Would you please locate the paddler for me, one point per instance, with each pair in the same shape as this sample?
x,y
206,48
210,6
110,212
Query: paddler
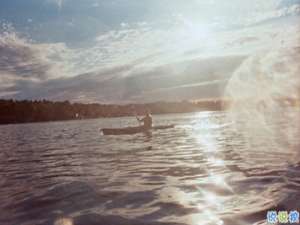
x,y
147,120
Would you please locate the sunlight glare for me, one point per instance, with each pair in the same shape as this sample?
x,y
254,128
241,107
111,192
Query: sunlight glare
x,y
220,181
208,216
192,34
63,221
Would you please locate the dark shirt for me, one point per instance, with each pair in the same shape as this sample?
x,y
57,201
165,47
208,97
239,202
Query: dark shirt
x,y
147,120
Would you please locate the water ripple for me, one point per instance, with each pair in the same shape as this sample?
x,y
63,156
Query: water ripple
x,y
203,171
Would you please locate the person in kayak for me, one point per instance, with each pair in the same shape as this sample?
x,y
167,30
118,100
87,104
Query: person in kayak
x,y
147,120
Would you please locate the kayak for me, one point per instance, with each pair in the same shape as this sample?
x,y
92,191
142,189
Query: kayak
x,y
132,130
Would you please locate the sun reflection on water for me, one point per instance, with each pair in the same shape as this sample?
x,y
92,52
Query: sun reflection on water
x,y
210,196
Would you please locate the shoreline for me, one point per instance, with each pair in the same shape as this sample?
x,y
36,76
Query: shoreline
x,y
20,112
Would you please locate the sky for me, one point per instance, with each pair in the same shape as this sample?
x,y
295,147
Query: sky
x,y
119,51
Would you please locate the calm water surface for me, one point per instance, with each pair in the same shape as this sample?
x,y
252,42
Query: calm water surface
x,y
203,171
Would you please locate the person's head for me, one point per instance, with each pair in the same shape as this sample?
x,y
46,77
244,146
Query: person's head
x,y
147,112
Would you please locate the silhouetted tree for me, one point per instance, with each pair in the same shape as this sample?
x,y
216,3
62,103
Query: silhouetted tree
x,y
25,111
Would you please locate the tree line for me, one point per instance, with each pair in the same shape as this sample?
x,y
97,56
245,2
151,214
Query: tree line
x,y
26,111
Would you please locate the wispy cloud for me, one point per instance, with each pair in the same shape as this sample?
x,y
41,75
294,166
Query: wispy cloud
x,y
140,84
27,59
58,3
24,61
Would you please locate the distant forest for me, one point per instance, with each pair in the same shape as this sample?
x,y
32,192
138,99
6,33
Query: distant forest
x,y
12,111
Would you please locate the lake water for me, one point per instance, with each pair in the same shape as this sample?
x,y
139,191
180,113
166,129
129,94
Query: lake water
x,y
203,171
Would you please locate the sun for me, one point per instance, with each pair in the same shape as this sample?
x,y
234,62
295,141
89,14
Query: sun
x,y
193,34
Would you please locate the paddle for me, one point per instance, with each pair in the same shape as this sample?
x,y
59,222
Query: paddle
x,y
138,119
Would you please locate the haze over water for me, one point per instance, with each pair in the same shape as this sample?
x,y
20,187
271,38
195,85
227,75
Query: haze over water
x,y
203,171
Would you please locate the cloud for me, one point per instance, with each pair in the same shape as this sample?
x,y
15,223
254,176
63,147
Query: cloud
x,y
58,3
93,17
22,60
201,77
135,62
267,11
280,12
194,91
287,3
